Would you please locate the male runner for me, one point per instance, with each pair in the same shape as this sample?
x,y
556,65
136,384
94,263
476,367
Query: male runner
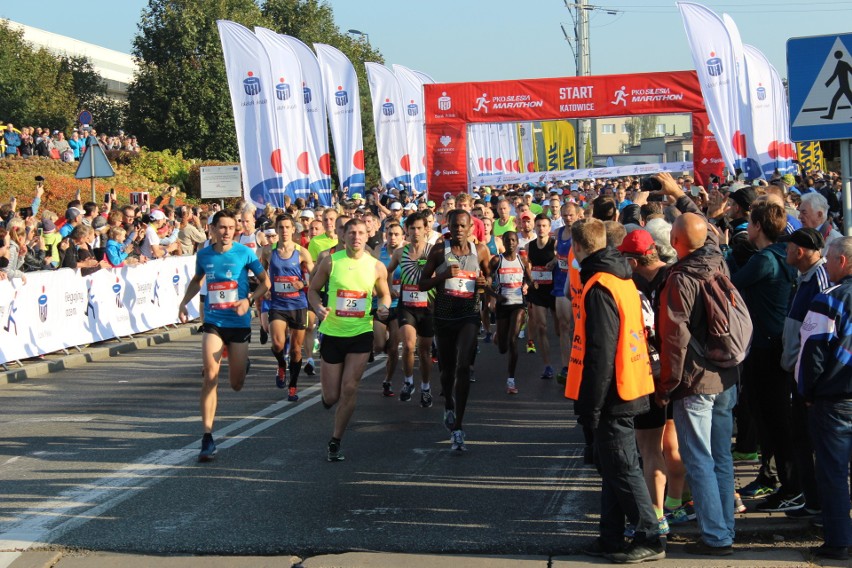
x,y
386,332
455,270
347,327
227,314
540,253
288,302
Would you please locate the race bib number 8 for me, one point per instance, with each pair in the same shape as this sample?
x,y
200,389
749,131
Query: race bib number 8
x,y
462,286
285,286
412,297
350,304
222,295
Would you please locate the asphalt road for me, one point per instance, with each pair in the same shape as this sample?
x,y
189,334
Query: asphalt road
x,y
104,458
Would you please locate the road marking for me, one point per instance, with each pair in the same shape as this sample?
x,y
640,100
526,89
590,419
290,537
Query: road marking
x,y
34,525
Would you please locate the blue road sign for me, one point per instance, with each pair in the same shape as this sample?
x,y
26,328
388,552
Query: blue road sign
x,y
85,117
819,71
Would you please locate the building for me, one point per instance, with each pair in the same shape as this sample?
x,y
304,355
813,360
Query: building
x,y
116,68
610,136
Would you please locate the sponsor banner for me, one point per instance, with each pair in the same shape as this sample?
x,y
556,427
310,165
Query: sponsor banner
x,y
388,117
811,158
507,135
411,86
248,71
590,173
59,309
343,100
311,90
705,152
560,151
449,107
712,52
751,119
480,158
527,146
290,156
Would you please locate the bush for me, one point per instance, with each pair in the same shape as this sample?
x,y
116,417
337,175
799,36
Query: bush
x,y
161,167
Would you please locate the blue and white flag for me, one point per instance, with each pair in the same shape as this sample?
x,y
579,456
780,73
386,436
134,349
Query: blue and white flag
x,y
411,86
388,113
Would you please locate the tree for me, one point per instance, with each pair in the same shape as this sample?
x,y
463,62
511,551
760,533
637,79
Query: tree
x,y
312,22
639,127
179,98
88,85
109,115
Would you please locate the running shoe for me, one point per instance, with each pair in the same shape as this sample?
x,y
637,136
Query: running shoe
x,y
405,393
745,456
372,357
426,398
472,376
309,369
449,419
562,376
739,507
547,374
530,346
208,448
521,334
281,378
264,336
387,390
292,396
682,514
334,453
488,337
803,513
777,503
757,489
457,439
510,387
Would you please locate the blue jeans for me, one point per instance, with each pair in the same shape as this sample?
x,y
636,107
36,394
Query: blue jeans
x,y
831,434
705,424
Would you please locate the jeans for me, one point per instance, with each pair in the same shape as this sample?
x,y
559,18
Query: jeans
x,y
831,434
623,490
704,424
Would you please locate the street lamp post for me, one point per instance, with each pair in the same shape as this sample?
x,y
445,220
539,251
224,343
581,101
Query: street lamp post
x,y
360,33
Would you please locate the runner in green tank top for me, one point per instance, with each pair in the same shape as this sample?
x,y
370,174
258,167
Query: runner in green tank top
x,y
352,276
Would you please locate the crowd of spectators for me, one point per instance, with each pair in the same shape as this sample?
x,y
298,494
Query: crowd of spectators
x,y
37,142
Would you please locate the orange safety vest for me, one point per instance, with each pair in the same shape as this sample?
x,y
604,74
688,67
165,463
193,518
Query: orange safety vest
x,y
633,377
575,286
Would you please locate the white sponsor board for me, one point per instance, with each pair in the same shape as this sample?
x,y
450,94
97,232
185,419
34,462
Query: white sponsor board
x,y
220,182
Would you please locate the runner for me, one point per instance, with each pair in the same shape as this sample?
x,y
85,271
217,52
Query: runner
x,y
227,315
288,310
564,316
495,247
505,221
540,253
510,285
414,314
386,331
455,270
351,275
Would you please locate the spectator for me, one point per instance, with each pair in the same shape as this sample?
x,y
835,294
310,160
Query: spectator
x,y
813,213
117,252
151,247
190,235
52,238
79,254
73,218
76,144
66,154
12,140
17,248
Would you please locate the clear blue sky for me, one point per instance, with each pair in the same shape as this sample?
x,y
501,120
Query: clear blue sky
x,y
467,40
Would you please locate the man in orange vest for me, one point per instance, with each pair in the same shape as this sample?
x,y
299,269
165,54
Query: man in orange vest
x,y
609,378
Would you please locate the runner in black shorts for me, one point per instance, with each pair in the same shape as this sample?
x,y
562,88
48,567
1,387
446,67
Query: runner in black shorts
x,y
540,253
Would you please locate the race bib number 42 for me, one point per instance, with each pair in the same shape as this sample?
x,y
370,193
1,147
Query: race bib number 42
x,y
222,295
462,286
350,304
412,297
285,286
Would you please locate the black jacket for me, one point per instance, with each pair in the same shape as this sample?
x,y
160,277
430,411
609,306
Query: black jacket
x,y
598,392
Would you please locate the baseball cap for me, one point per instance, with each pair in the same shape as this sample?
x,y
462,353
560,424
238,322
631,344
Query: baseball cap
x,y
744,197
530,193
410,207
805,237
639,242
430,203
99,223
395,206
357,196
527,214
306,214
72,213
48,226
157,215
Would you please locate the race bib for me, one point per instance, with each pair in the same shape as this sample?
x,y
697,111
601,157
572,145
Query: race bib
x,y
222,295
396,286
285,286
350,304
412,297
462,286
542,275
563,263
511,285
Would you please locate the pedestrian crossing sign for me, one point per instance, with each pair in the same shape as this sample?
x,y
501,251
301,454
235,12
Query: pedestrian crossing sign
x,y
819,71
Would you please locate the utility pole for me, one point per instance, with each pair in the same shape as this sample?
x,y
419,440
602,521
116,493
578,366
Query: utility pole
x,y
584,69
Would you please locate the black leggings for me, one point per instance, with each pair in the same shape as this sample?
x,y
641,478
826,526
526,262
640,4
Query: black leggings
x,y
456,340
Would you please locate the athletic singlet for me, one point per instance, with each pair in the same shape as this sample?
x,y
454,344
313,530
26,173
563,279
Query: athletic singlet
x,y
538,259
227,283
284,273
560,271
250,241
385,258
523,242
411,269
350,293
492,245
455,298
509,281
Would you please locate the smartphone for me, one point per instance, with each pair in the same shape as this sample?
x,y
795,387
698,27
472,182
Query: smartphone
x,y
106,197
694,190
26,212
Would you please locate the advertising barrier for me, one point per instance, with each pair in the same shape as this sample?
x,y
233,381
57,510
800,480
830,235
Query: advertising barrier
x,y
58,309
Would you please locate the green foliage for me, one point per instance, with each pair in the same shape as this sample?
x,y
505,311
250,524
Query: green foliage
x,y
639,127
109,115
88,85
161,167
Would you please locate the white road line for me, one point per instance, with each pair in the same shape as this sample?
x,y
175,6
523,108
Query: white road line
x,y
105,493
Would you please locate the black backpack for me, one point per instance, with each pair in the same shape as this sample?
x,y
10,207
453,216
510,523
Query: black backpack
x,y
729,326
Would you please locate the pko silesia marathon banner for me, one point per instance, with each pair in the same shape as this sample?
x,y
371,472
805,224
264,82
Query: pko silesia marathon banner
x,y
59,309
450,107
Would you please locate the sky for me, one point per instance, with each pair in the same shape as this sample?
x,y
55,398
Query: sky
x,y
492,40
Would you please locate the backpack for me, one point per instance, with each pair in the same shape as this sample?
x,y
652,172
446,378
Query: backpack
x,y
729,327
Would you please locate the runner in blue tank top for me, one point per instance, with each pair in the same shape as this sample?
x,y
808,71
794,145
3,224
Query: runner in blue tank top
x,y
288,313
564,319
227,314
386,333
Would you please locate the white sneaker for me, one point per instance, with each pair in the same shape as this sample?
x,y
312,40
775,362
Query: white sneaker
x,y
457,439
510,387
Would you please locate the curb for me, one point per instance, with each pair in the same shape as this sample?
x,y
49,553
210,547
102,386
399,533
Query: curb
x,y
98,352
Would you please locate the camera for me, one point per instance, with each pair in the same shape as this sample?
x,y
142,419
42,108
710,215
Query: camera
x,y
651,184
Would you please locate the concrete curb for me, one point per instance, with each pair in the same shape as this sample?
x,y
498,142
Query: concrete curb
x,y
97,352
